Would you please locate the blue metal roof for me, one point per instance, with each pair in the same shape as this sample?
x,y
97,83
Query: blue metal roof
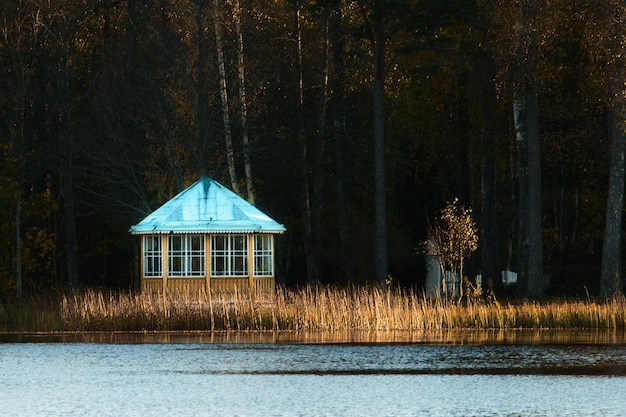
x,y
207,206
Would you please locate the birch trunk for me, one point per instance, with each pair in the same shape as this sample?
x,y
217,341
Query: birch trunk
x,y
201,89
251,197
230,153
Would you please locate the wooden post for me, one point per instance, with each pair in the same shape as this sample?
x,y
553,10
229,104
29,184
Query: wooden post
x,y
142,251
251,260
165,255
207,262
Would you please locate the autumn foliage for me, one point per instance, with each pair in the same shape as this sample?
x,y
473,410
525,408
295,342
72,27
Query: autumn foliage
x,y
452,239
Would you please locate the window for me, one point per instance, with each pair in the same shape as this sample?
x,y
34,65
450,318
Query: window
x,y
186,256
152,256
229,255
263,263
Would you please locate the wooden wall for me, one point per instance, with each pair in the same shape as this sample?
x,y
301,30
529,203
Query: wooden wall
x,y
196,285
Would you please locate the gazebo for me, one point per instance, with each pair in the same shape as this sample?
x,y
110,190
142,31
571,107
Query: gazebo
x,y
207,238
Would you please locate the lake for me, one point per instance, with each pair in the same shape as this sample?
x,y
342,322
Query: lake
x,y
269,374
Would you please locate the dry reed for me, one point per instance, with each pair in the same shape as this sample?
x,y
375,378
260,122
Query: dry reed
x,y
321,308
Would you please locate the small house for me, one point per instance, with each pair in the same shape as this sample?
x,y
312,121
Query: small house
x,y
207,238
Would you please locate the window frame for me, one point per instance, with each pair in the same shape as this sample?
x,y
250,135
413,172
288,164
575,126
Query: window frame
x,y
229,255
186,256
152,256
263,259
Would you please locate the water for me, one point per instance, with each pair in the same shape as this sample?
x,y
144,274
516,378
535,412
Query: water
x,y
261,376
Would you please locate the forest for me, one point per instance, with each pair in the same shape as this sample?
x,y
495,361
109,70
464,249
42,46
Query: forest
x,y
352,122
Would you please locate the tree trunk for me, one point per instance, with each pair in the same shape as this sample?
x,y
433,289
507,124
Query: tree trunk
x,y
70,216
251,197
312,269
491,278
338,107
20,181
201,88
613,29
610,280
529,264
462,129
67,169
526,118
18,241
488,222
320,141
536,283
18,215
230,153
512,222
381,267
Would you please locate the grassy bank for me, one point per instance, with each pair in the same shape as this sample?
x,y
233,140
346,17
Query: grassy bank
x,y
307,309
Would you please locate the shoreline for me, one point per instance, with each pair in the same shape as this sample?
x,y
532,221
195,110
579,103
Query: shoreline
x,y
429,337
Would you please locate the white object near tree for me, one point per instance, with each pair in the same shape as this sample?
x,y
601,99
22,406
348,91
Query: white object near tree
x,y
433,277
433,287
509,277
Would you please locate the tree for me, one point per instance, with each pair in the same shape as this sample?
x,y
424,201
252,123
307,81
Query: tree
x,y
488,208
483,105
312,266
403,91
337,104
374,20
379,72
610,280
228,138
452,239
63,27
243,103
526,120
20,36
609,48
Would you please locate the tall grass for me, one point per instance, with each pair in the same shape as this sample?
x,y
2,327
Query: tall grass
x,y
322,308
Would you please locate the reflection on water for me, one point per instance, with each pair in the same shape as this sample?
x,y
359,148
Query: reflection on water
x,y
534,373
454,337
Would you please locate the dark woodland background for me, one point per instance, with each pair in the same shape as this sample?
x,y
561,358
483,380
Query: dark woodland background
x,y
350,122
